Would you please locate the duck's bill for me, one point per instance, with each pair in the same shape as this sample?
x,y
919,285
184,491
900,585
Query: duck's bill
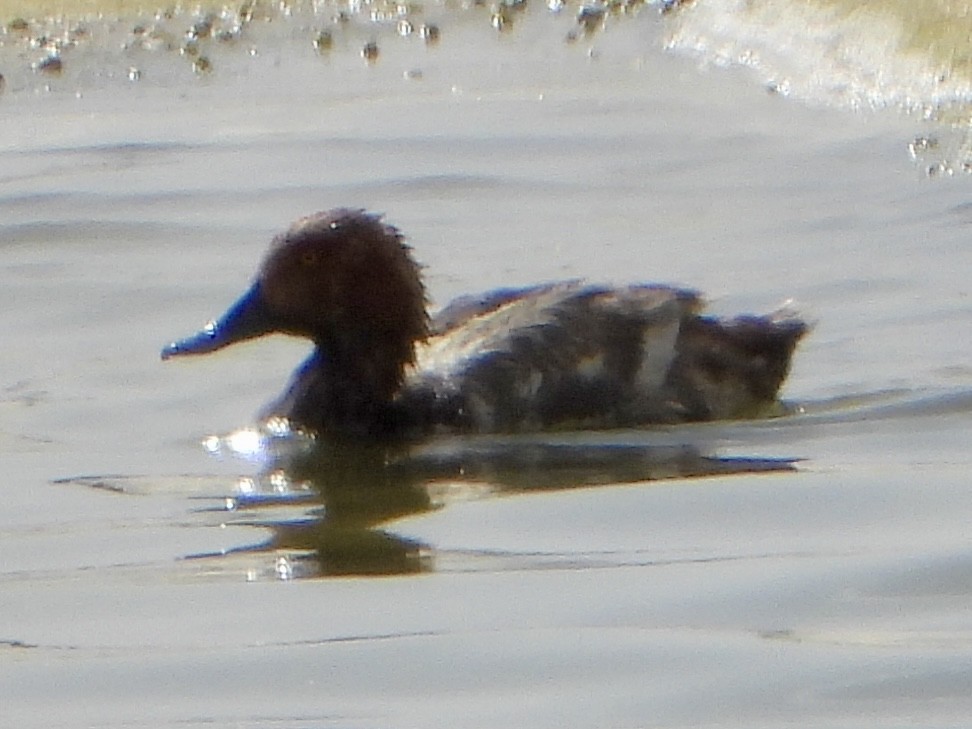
x,y
249,317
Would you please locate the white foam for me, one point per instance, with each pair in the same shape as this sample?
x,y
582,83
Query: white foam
x,y
869,56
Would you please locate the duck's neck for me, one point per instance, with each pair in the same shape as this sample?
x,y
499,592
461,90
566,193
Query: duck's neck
x,y
358,383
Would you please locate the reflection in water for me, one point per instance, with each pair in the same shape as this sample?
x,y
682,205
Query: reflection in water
x,y
353,491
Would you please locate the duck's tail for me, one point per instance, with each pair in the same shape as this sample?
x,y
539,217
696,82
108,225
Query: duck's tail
x,y
734,368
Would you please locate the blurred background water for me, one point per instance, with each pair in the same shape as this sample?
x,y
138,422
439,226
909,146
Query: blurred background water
x,y
155,571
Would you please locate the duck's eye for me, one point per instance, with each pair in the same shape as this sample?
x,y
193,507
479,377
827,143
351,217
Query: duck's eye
x,y
310,258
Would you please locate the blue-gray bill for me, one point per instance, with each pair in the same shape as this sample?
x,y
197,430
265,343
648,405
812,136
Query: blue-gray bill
x,y
249,317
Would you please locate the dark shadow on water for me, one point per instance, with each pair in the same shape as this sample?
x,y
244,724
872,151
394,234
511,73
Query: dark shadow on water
x,y
331,510
352,493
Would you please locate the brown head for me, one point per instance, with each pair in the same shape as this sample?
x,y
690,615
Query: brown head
x,y
342,278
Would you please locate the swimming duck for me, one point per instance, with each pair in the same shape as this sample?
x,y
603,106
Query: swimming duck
x,y
565,355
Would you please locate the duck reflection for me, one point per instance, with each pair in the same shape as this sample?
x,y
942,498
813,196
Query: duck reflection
x,y
352,493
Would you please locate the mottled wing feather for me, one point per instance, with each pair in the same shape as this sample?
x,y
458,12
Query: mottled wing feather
x,y
465,308
559,356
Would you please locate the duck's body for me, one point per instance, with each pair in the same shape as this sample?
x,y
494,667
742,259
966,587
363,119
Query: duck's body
x,y
563,355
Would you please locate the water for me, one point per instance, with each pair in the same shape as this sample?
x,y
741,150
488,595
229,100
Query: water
x,y
135,206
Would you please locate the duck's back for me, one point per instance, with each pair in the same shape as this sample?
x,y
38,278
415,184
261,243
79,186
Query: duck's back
x,y
554,356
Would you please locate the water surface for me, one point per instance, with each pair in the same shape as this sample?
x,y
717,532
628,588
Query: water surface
x,y
134,206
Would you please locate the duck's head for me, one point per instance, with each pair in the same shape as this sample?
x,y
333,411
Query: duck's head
x,y
342,278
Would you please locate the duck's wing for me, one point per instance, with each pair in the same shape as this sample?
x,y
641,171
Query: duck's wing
x,y
555,356
462,310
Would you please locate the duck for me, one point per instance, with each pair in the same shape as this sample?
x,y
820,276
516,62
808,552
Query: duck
x,y
564,355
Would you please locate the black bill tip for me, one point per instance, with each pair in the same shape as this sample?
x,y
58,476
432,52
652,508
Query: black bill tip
x,y
249,317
